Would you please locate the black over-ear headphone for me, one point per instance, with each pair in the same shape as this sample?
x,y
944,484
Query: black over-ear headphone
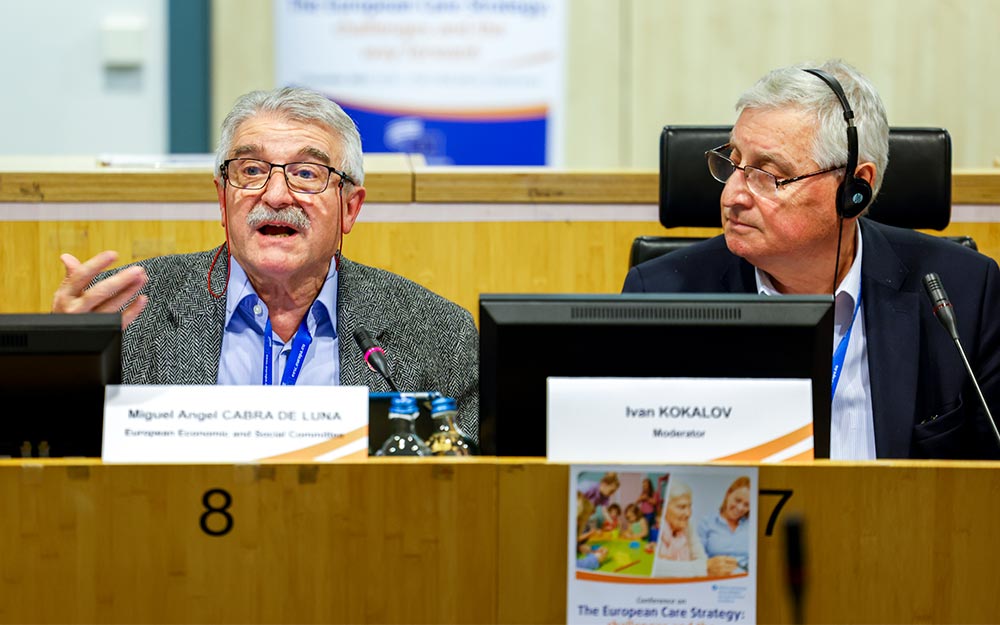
x,y
854,193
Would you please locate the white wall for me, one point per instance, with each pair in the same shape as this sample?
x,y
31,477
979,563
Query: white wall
x,y
60,96
634,65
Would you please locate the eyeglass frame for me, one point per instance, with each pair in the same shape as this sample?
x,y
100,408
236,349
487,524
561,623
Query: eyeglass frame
x,y
777,183
224,172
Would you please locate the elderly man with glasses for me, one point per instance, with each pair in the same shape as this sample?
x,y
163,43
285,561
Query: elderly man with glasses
x,y
804,161
277,303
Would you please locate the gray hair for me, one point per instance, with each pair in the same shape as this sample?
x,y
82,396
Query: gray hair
x,y
298,104
792,87
678,489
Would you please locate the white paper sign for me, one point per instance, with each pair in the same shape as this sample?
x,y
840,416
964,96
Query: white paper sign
x,y
662,545
679,420
217,423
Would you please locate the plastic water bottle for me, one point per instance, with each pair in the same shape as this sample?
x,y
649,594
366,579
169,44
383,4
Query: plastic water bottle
x,y
448,439
404,440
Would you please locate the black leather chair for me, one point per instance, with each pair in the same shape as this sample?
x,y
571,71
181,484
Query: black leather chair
x,y
916,191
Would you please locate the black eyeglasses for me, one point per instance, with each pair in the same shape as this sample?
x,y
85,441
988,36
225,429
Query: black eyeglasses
x,y
253,174
761,183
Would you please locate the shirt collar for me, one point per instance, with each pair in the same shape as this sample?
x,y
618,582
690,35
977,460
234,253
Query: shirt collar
x,y
240,293
722,522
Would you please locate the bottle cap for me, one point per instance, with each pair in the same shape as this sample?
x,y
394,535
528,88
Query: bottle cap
x,y
443,404
403,406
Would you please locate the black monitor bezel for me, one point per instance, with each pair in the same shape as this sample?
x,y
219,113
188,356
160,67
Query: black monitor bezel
x,y
510,427
53,372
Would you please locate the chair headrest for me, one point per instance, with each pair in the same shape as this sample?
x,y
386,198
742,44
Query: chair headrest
x,y
915,193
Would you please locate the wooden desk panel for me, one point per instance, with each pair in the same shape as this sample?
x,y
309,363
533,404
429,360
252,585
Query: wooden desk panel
x,y
480,541
378,543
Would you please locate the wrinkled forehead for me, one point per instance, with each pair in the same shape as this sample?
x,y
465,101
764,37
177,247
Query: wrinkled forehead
x,y
269,135
783,135
774,125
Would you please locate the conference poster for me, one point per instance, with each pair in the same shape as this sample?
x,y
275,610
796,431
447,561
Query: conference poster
x,y
662,545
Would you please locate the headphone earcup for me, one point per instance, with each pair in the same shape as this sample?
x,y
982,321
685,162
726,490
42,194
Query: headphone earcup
x,y
853,197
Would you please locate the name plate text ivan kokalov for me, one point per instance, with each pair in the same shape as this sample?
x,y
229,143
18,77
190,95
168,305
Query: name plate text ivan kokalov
x,y
679,419
167,423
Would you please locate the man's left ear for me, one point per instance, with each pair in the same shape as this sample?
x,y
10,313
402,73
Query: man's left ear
x,y
354,201
868,172
859,191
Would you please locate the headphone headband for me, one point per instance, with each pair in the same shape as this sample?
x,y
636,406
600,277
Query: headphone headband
x,y
854,193
834,84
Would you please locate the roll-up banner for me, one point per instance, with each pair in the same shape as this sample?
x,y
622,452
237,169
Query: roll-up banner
x,y
463,82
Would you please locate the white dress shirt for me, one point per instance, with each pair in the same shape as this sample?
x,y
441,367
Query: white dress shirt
x,y
852,426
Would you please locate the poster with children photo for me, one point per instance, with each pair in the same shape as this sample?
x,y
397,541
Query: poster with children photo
x,y
662,544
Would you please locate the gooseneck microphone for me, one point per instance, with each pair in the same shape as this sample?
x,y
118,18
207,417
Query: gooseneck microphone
x,y
374,356
945,314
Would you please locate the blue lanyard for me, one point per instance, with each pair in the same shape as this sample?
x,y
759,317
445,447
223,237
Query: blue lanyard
x,y
300,345
841,353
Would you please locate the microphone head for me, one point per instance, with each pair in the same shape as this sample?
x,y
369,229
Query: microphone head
x,y
374,355
935,290
943,309
368,347
364,340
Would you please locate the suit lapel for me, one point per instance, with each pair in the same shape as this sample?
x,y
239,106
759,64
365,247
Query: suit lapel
x,y
353,312
738,277
891,325
199,319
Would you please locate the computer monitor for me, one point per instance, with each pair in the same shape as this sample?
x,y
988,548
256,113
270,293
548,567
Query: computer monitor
x,y
53,370
526,338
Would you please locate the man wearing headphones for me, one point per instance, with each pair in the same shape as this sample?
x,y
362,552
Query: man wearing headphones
x,y
796,189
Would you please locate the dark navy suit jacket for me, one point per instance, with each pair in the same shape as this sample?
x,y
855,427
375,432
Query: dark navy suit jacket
x,y
923,401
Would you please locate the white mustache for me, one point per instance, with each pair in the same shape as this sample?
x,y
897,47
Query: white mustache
x,y
293,216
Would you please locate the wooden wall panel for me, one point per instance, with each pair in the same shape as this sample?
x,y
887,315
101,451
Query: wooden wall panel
x,y
456,260
482,250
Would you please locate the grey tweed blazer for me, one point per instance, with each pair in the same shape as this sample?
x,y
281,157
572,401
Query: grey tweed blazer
x,y
431,343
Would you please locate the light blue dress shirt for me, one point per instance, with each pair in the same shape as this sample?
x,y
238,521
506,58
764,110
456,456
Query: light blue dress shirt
x,y
242,358
719,540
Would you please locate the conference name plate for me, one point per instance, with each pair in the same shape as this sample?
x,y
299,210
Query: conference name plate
x,y
218,423
679,419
